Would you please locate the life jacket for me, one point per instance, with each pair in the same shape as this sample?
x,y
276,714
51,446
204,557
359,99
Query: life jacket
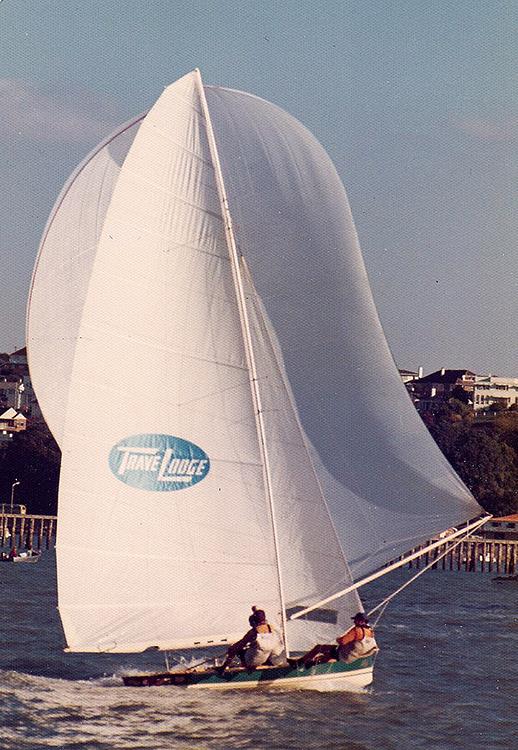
x,y
270,642
364,645
266,645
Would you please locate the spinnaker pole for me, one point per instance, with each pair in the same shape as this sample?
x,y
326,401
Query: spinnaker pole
x,y
389,568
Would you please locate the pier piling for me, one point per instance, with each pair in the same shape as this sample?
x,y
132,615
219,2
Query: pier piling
x,y
25,530
477,555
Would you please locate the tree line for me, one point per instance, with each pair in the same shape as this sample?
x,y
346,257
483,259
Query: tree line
x,y
483,451
33,458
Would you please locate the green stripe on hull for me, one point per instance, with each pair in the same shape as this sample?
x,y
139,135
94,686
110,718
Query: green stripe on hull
x,y
257,677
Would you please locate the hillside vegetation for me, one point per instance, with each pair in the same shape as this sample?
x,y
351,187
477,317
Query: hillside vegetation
x,y
483,451
32,457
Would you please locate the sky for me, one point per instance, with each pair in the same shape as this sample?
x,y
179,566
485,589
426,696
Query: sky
x,y
414,100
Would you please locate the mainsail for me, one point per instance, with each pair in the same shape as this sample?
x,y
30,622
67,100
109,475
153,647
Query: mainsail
x,y
149,334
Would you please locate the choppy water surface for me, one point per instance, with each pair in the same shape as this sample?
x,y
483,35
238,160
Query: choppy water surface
x,y
445,679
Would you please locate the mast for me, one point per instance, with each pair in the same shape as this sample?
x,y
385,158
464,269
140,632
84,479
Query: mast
x,y
247,338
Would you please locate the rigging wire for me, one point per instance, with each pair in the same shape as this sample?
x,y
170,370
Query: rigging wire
x,y
383,604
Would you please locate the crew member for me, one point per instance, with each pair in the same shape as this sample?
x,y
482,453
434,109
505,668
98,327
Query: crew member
x,y
262,644
356,642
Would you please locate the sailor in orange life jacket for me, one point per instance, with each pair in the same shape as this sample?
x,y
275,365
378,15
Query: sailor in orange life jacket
x,y
356,642
260,645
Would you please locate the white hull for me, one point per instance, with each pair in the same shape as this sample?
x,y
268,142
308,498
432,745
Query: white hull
x,y
351,682
329,676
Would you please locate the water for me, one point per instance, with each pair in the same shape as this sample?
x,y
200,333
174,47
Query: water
x,y
444,680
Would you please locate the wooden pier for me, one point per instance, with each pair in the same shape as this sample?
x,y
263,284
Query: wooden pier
x,y
498,556
27,531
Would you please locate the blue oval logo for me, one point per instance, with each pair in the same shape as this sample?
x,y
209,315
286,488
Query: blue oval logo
x,y
161,463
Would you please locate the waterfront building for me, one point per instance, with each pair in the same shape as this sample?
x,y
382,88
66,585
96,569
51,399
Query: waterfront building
x,y
431,390
490,390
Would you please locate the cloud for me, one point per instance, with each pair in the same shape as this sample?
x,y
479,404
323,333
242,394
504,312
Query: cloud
x,y
29,113
489,130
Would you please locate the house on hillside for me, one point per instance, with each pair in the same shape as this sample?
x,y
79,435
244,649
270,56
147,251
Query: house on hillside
x,y
439,386
11,421
480,392
15,385
19,357
491,390
408,375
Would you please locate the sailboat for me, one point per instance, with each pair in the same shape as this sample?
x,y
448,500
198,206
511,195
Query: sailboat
x,y
205,349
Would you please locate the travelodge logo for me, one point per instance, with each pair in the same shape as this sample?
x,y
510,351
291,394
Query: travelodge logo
x,y
160,463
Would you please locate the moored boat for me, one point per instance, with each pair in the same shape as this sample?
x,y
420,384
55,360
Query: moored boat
x,y
22,557
26,558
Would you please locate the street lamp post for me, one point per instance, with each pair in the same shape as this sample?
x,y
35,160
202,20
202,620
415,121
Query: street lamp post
x,y
14,484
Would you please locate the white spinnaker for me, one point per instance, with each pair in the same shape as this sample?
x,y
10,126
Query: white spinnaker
x,y
311,558
139,568
388,485
62,271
